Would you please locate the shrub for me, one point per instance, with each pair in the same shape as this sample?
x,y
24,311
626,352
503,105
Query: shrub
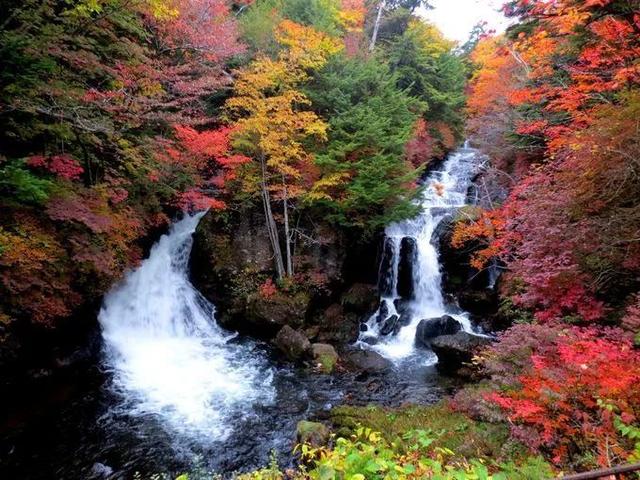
x,y
557,405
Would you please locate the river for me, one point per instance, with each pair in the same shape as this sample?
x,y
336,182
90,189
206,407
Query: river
x,y
173,392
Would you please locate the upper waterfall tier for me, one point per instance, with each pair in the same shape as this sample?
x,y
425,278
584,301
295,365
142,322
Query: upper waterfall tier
x,y
410,278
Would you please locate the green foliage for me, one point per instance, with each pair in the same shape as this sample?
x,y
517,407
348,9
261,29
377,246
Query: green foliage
x,y
367,454
17,184
320,14
455,431
370,120
258,21
425,66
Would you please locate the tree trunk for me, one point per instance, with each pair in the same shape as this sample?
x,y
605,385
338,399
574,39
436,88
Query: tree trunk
x,y
376,26
287,236
272,229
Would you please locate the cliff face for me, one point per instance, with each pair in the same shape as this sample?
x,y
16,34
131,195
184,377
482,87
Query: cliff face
x,y
333,287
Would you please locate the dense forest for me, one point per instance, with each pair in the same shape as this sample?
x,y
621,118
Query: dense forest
x,y
303,128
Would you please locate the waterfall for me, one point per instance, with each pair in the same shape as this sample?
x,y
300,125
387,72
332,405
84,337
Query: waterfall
x,y
168,356
410,277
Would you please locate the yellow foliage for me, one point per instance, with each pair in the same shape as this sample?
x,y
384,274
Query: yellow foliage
x,y
322,188
352,15
431,39
307,48
269,110
163,9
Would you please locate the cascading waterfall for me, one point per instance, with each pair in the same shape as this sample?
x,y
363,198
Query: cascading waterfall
x,y
168,356
410,278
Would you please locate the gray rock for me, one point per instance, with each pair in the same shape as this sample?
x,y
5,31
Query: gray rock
x,y
434,327
292,343
366,361
389,325
454,351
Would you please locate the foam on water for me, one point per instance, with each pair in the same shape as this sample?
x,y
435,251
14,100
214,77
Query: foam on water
x,y
445,191
168,356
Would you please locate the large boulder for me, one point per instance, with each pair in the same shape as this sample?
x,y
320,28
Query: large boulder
x,y
408,260
385,277
390,325
266,315
479,302
360,298
325,357
434,327
366,361
292,343
454,351
312,433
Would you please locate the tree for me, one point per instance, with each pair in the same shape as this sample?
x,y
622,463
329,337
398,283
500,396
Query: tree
x,y
365,180
572,393
273,125
426,67
90,92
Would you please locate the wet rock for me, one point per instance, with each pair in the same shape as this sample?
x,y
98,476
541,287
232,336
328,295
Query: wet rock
x,y
442,230
366,361
390,325
312,433
405,319
408,258
383,311
325,356
99,471
402,306
360,298
455,351
385,280
478,302
434,327
292,343
267,315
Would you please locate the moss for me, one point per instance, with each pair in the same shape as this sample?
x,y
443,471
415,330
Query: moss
x,y
312,433
328,363
467,437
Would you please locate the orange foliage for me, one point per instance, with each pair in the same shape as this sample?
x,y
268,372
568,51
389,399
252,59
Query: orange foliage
x,y
488,230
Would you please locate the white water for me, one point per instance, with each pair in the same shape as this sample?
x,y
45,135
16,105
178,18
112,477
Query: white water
x,y
168,356
445,192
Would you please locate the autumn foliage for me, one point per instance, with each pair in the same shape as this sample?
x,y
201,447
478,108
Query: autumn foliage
x,y
555,102
101,140
569,392
562,88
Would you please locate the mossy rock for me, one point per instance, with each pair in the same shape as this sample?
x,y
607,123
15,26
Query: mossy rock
x,y
324,356
276,311
312,433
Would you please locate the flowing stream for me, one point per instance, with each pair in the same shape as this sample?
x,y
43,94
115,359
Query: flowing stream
x,y
410,280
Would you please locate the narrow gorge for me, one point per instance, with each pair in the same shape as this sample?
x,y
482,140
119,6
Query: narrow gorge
x,y
319,239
